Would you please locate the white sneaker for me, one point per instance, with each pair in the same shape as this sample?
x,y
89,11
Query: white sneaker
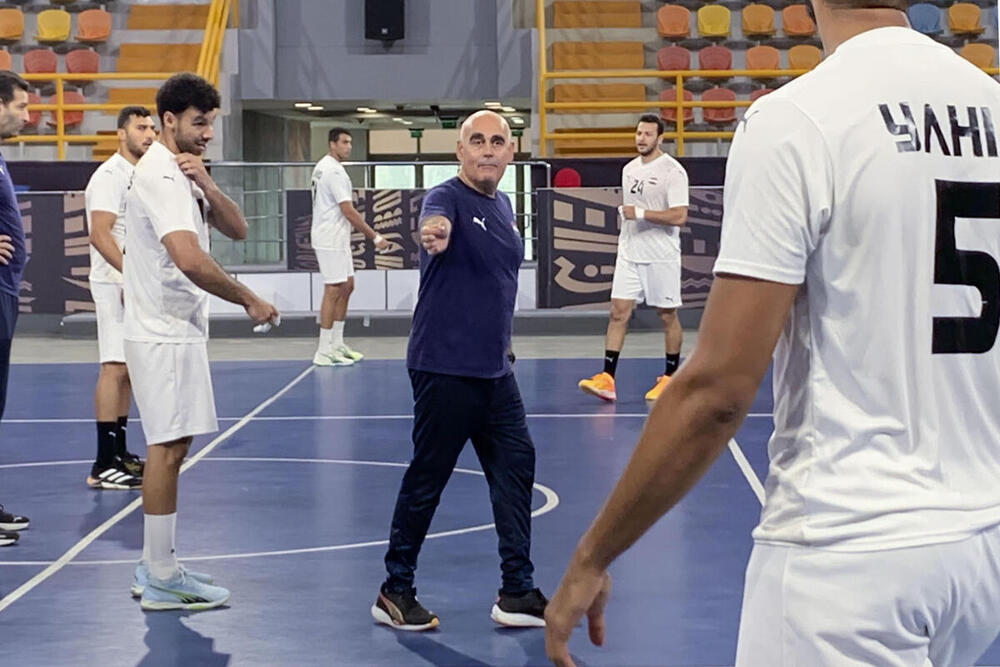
x,y
353,355
332,358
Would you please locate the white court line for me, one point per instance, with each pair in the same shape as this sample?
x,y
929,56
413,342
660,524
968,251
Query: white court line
x,y
73,551
748,473
539,415
551,502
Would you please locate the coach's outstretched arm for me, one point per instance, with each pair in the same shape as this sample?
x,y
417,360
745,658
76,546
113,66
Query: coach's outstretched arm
x,y
205,272
690,424
435,233
223,212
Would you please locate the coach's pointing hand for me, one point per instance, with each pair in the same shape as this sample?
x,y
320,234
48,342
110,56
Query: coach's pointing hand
x,y
434,234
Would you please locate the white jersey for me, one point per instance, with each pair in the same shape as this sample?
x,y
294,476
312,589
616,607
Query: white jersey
x,y
655,186
874,182
106,192
331,186
162,305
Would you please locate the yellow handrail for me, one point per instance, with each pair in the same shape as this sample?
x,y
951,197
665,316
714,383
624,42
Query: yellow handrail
x,y
544,106
211,45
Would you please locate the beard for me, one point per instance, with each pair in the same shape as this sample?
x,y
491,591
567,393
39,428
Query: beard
x,y
188,145
649,150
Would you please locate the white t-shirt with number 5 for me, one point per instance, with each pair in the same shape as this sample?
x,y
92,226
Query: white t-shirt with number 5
x,y
874,182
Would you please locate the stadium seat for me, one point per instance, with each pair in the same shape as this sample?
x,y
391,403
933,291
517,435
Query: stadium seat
x,y
669,114
673,58
52,26
597,55
965,18
93,26
11,24
40,61
758,21
804,56
713,21
715,57
71,119
82,61
980,55
5,60
567,177
34,117
719,115
763,57
757,94
925,18
673,22
593,14
796,22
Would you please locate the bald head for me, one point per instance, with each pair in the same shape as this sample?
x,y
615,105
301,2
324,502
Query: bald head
x,y
485,148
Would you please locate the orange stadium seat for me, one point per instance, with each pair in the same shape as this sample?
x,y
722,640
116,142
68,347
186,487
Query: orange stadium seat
x,y
5,60
980,55
719,115
965,18
804,56
673,58
71,119
713,21
11,24
796,22
93,26
669,114
758,21
763,57
673,22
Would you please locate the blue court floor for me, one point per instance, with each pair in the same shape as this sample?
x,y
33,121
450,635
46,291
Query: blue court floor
x,y
289,506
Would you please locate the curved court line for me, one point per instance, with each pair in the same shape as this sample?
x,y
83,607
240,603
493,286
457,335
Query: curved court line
x,y
551,502
75,550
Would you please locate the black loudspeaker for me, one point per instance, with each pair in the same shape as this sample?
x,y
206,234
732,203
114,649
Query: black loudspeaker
x,y
384,20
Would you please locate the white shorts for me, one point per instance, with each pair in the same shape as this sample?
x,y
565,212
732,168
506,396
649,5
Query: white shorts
x,y
335,265
172,386
110,321
656,283
926,606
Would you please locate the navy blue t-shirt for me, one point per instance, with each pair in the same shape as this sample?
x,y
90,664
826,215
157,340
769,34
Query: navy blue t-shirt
x,y
10,224
465,304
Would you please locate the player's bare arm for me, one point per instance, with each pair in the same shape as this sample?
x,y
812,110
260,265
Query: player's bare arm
x,y
353,217
101,223
690,424
223,214
206,273
434,234
676,216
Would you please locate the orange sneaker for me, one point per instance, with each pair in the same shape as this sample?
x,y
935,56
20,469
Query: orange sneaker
x,y
601,385
661,383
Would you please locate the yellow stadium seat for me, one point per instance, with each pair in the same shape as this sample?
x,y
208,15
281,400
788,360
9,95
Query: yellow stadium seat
x,y
804,56
980,55
713,21
965,18
53,26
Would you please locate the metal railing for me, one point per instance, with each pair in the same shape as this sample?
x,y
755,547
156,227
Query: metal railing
x,y
678,104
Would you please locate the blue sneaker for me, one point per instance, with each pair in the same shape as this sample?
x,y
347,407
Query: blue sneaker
x,y
141,576
181,591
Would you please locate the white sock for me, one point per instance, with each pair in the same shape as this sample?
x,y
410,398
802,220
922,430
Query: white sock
x,y
338,334
158,538
325,336
145,544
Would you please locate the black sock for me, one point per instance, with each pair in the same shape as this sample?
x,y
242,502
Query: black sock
x,y
122,428
673,361
611,361
106,443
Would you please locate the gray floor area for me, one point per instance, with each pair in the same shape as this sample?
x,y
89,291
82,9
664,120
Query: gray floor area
x,y
57,350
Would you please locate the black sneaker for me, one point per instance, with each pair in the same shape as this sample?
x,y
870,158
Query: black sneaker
x,y
402,611
132,464
113,478
7,538
526,610
10,521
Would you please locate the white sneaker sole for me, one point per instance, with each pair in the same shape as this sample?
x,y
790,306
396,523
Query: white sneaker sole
x,y
323,360
381,617
7,541
151,605
603,395
101,485
515,620
14,526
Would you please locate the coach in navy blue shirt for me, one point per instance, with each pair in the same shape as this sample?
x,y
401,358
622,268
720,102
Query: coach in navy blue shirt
x,y
463,387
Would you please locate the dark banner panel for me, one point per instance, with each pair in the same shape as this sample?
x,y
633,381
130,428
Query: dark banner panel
x,y
578,244
392,213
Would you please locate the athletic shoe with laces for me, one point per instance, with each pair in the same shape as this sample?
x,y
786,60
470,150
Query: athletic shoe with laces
x,y
661,383
403,611
10,521
525,610
141,577
182,591
8,537
133,465
331,358
113,478
345,351
601,385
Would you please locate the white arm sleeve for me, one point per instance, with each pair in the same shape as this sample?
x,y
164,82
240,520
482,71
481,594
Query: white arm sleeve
x,y
168,202
677,188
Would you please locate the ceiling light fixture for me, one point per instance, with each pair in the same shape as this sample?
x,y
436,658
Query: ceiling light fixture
x,y
517,120
491,105
303,105
315,107
508,109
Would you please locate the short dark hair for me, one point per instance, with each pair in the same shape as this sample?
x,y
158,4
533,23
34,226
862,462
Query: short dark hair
x,y
183,91
8,81
656,120
335,134
126,114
